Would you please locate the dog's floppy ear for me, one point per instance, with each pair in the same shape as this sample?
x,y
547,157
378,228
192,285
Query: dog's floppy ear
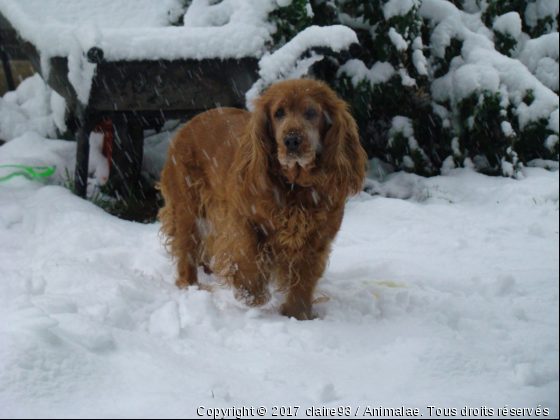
x,y
252,159
344,161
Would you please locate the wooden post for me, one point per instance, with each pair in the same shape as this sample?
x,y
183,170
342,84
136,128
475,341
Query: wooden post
x,y
85,126
127,154
6,64
86,121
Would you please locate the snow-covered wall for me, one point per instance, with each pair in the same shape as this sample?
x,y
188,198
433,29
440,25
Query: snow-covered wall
x,y
139,30
153,30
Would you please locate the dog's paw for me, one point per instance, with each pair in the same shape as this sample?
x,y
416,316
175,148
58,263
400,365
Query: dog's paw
x,y
298,312
207,287
183,284
252,298
207,270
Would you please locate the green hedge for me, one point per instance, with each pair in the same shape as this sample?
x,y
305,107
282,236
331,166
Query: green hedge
x,y
408,119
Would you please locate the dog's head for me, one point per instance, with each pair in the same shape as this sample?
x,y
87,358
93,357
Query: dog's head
x,y
302,128
298,123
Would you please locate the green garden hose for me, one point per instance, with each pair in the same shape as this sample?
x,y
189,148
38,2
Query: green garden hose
x,y
32,173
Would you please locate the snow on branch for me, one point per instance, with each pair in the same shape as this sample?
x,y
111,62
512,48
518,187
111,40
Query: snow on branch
x,y
290,62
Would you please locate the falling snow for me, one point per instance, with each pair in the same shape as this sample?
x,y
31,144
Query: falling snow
x,y
440,291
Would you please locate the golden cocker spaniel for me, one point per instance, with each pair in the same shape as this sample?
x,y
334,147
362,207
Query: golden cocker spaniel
x,y
257,198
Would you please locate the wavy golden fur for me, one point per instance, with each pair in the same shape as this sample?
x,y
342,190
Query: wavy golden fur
x,y
257,198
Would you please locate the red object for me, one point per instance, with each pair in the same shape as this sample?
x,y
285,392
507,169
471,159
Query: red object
x,y
106,128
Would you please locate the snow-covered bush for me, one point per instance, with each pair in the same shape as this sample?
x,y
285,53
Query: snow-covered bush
x,y
32,107
442,84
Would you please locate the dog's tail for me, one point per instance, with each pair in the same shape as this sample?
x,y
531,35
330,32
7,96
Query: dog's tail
x,y
168,228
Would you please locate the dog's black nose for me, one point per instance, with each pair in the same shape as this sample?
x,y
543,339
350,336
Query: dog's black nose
x,y
292,142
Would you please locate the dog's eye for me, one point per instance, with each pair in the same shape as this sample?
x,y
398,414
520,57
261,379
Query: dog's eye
x,y
311,114
280,114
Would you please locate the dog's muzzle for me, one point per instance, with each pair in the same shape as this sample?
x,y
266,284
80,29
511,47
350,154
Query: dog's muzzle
x,y
293,142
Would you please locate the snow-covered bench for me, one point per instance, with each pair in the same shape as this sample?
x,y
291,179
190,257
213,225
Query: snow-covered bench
x,y
140,62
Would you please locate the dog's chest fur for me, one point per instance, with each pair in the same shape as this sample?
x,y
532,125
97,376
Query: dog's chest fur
x,y
296,222
294,226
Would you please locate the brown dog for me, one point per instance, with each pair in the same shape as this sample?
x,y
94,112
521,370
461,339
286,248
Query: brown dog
x,y
257,198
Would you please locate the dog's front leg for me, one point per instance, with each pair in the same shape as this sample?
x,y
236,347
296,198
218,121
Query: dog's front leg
x,y
303,276
238,262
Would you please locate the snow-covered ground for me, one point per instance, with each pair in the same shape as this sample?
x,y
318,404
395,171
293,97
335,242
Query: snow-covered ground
x,y
442,292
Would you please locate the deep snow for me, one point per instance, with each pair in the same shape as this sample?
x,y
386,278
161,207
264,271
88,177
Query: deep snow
x,y
443,292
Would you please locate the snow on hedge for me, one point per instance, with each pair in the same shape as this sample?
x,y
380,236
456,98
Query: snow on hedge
x,y
541,9
541,56
484,69
288,62
380,72
522,86
398,7
477,89
509,23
